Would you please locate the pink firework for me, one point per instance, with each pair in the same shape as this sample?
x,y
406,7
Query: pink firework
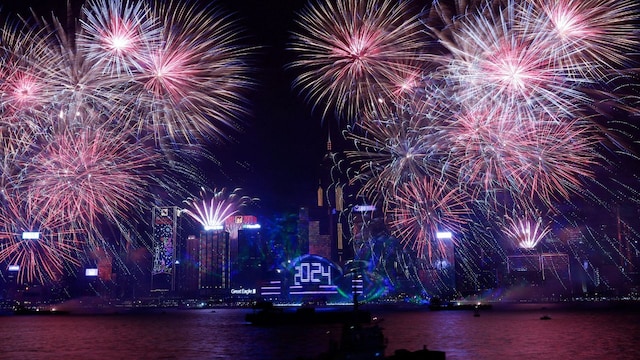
x,y
486,143
489,60
40,241
559,160
500,149
211,211
526,231
593,36
353,53
90,174
424,207
116,34
85,89
192,81
398,145
25,88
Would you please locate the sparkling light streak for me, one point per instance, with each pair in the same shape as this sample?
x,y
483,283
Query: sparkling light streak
x,y
523,104
526,232
211,211
98,118
351,52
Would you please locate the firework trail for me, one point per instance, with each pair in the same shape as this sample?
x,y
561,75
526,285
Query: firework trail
x,y
211,211
354,53
96,119
512,104
40,241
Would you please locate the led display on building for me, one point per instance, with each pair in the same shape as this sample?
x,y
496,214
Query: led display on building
x,y
164,235
313,276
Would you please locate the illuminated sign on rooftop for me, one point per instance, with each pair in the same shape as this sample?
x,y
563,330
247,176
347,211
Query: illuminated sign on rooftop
x,y
364,208
444,235
30,235
213,227
91,272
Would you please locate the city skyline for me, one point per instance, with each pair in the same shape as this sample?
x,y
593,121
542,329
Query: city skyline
x,y
503,112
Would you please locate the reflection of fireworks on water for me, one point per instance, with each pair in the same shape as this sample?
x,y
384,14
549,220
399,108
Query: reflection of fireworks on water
x,y
95,120
211,211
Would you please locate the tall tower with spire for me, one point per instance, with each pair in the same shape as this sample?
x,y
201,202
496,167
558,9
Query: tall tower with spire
x,y
327,225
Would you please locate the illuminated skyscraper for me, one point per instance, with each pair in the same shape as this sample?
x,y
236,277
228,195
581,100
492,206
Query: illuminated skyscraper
x,y
165,231
214,262
250,263
189,267
324,226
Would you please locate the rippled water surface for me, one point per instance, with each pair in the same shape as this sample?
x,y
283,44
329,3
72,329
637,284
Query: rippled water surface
x,y
224,334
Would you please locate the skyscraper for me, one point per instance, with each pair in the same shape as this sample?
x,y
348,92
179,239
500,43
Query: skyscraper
x,y
250,263
165,232
214,262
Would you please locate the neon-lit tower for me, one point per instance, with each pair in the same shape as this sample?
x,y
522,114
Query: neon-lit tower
x,y
165,230
213,276
214,255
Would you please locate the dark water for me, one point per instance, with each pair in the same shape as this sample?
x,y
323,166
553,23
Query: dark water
x,y
223,334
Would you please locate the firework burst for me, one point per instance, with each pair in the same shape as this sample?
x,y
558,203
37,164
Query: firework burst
x,y
526,231
90,174
96,118
352,53
116,34
397,145
421,209
488,60
592,37
25,88
40,241
192,82
211,211
495,150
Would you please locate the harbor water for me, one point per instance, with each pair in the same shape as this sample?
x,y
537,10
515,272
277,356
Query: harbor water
x,y
512,333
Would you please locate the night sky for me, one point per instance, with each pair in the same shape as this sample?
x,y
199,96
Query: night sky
x,y
277,155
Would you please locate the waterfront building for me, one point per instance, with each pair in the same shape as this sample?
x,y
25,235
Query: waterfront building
x,y
189,267
214,276
249,266
165,234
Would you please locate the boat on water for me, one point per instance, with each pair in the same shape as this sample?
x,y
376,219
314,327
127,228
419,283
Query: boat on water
x,y
26,310
437,304
367,342
266,314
